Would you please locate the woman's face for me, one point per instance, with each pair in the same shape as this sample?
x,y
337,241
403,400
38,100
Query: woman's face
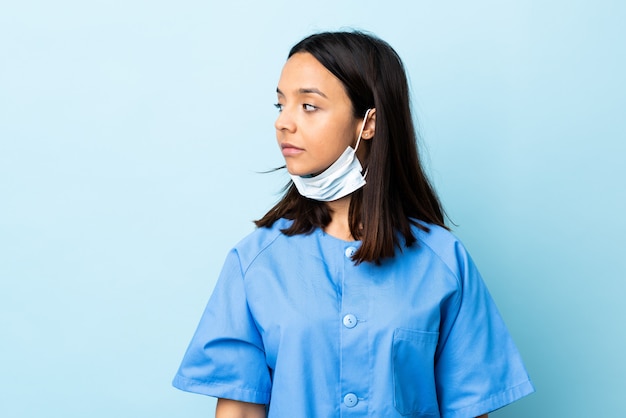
x,y
316,121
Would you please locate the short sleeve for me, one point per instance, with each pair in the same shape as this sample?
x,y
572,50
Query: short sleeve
x,y
478,368
225,358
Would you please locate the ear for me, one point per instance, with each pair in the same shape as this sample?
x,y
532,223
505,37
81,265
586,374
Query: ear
x,y
370,125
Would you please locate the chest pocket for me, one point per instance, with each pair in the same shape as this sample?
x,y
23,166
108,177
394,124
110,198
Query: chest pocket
x,y
413,361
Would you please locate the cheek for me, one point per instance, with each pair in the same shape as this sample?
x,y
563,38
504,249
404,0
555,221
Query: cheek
x,y
337,128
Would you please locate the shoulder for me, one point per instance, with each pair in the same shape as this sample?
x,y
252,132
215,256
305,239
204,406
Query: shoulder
x,y
444,245
259,241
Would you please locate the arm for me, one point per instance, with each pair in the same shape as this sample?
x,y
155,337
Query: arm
x,y
227,408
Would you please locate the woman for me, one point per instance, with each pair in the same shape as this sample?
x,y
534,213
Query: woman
x,y
351,298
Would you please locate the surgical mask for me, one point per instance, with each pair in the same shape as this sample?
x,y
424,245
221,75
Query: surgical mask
x,y
340,179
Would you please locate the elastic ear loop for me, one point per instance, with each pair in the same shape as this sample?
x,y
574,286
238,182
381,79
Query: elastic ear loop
x,y
358,141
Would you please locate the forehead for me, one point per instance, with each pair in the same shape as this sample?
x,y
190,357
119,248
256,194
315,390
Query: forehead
x,y
303,71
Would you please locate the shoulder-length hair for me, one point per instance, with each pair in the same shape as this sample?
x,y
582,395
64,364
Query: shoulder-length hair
x,y
397,194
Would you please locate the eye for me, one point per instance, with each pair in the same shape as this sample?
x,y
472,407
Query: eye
x,y
279,107
309,107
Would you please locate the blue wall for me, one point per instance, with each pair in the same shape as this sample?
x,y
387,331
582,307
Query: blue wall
x,y
131,134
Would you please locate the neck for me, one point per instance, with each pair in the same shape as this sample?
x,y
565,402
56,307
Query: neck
x,y
339,226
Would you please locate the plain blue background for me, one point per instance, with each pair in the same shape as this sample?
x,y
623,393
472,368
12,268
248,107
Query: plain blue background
x,y
132,134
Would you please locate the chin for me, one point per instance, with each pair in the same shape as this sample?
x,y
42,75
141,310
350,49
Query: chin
x,y
295,171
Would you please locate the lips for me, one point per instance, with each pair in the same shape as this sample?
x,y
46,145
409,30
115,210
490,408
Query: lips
x,y
290,150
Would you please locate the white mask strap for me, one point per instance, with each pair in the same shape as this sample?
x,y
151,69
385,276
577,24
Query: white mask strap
x,y
367,112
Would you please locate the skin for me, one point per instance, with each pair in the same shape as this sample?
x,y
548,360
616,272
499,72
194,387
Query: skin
x,y
315,125
227,408
316,121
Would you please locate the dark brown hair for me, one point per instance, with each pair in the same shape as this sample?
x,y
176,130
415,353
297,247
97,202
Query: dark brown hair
x,y
397,193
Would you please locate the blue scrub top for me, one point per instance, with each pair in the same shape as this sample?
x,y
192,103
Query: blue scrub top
x,y
294,324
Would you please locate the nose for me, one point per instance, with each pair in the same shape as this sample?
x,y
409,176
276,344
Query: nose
x,y
284,122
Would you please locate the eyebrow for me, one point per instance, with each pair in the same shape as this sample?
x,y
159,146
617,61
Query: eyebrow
x,y
311,90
